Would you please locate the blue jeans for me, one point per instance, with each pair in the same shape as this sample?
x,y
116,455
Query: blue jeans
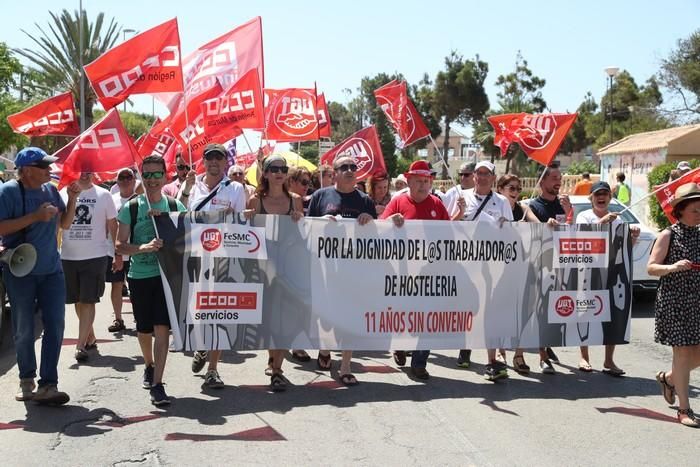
x,y
419,358
49,292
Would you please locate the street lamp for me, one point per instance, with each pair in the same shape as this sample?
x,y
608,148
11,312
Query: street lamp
x,y
612,72
124,33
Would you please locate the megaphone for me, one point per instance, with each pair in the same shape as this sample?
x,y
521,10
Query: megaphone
x,y
21,259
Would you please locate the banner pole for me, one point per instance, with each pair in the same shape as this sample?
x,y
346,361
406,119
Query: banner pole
x,y
648,195
442,156
187,125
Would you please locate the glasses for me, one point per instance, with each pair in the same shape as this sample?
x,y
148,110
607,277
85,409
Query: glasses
x,y
466,175
214,155
236,174
277,169
514,188
124,178
183,167
304,182
156,175
347,167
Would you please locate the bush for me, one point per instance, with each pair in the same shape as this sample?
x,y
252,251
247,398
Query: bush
x,y
581,167
658,176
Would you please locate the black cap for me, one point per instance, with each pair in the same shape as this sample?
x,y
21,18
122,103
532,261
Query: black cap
x,y
597,186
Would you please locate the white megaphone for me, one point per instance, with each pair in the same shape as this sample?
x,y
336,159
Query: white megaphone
x,y
21,259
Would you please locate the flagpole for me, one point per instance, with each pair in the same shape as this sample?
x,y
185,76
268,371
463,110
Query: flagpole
x,y
648,195
187,126
442,157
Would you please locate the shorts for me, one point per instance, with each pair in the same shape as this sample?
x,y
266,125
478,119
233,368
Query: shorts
x,y
85,279
148,303
118,276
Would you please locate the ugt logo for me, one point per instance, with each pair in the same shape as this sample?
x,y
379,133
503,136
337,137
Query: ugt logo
x,y
536,131
405,134
295,113
211,239
361,153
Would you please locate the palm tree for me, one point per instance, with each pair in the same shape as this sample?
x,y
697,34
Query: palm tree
x,y
58,54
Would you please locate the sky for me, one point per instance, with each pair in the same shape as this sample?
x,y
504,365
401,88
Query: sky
x,y
335,44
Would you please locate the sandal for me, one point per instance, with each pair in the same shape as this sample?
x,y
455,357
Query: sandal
x,y
585,366
349,379
520,366
117,326
614,371
278,383
268,370
668,391
689,419
323,361
300,356
91,346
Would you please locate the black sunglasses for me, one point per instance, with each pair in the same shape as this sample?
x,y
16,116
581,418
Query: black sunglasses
x,y
347,167
183,167
149,175
277,169
304,182
214,155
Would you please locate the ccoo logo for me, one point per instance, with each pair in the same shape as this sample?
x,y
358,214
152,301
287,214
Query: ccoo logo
x,y
537,131
211,239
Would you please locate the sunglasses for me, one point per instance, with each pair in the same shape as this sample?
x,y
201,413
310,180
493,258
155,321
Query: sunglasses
x,y
123,178
347,167
183,167
514,188
214,155
304,182
277,169
156,175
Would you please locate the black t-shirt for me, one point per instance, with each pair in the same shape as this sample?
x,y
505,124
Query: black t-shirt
x,y
545,210
329,201
518,212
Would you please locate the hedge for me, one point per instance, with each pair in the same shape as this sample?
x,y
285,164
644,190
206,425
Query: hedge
x,y
657,176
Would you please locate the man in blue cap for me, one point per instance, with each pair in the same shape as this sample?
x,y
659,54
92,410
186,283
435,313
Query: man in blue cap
x,y
29,213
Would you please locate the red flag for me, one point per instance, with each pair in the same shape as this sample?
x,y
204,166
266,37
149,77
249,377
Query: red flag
x,y
147,63
228,58
103,147
363,146
290,115
538,135
247,159
666,194
240,106
193,134
324,118
401,113
54,116
156,142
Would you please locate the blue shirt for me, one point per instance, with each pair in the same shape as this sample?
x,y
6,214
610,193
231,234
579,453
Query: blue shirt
x,y
42,235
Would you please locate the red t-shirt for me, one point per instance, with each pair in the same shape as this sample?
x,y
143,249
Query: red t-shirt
x,y
431,208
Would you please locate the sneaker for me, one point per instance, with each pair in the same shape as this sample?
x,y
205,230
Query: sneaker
x,y
464,359
546,367
148,377
81,355
49,395
213,380
117,326
26,389
495,371
400,357
158,395
552,356
199,360
420,373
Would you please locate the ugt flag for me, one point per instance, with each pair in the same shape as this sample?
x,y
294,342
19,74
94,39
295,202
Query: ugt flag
x,y
54,116
393,99
324,118
291,115
666,194
538,135
147,63
363,146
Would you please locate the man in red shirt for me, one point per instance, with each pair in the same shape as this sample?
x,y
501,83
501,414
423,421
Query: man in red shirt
x,y
416,203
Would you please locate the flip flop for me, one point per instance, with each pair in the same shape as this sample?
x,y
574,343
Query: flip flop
x,y
349,379
617,372
586,368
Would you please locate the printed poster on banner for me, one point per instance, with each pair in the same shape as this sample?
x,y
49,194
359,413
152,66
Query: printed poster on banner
x,y
576,248
232,240
579,306
227,303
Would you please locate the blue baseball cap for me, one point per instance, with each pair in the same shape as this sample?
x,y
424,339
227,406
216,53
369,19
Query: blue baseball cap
x,y
33,156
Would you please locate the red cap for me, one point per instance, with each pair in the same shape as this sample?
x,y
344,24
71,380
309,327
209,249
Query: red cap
x,y
421,168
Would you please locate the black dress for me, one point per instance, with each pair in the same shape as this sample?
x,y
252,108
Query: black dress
x,y
678,297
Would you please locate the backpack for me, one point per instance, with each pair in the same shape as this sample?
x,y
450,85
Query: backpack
x,y
133,206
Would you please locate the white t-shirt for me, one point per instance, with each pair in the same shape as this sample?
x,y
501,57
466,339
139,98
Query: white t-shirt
x,y
589,217
231,195
496,207
450,198
87,236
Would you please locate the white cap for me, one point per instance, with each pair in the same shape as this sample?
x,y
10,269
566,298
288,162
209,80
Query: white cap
x,y
401,178
487,164
683,165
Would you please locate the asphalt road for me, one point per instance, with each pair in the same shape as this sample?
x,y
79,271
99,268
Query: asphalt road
x,y
456,418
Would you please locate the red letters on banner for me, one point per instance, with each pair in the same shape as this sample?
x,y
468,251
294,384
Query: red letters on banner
x,y
146,63
666,194
363,146
54,116
401,113
104,147
538,135
324,118
240,106
290,114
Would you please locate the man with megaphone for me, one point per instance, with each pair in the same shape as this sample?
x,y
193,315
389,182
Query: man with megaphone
x,y
30,210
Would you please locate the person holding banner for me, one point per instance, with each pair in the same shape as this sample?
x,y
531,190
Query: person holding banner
x,y
212,191
600,196
272,197
417,203
298,181
136,237
30,212
342,199
466,182
675,258
378,190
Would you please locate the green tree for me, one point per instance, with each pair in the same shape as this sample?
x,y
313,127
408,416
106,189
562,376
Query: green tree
x,y
58,54
680,73
459,95
581,167
135,123
9,67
